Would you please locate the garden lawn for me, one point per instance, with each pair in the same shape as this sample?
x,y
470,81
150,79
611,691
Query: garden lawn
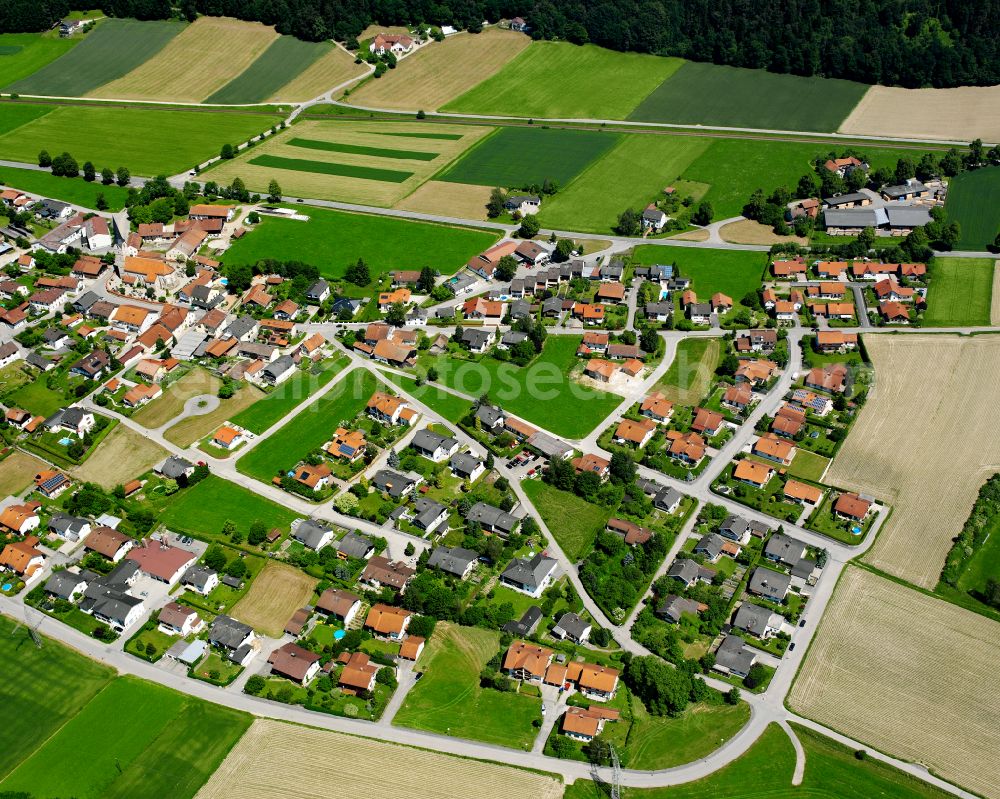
x,y
708,94
33,51
35,709
519,156
558,80
147,141
37,398
765,772
326,168
449,701
283,61
961,290
311,428
83,757
631,175
113,48
690,375
203,509
72,190
984,564
539,393
733,272
449,406
808,465
280,402
333,240
974,202
573,522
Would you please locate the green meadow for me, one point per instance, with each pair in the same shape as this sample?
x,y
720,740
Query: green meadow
x,y
326,168
283,61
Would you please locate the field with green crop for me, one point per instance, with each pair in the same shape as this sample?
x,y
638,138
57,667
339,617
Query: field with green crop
x,y
203,509
573,521
449,700
974,202
960,293
283,61
14,115
733,272
71,190
360,149
514,157
114,48
449,406
332,240
325,168
311,428
632,174
35,709
166,744
147,141
707,94
21,54
558,80
285,397
539,393
765,772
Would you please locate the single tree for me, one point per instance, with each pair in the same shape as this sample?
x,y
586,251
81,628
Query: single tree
x,y
227,152
88,171
122,176
495,205
506,268
529,227
273,192
703,213
44,159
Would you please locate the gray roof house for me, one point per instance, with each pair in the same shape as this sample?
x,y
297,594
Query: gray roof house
x,y
453,560
355,545
734,657
466,465
759,621
244,328
227,633
551,448
200,579
690,572
735,528
393,483
529,576
673,607
429,514
571,626
492,520
784,549
72,528
312,534
477,339
512,338
490,416
519,309
668,499
433,445
318,291
278,369
85,302
710,546
526,625
769,584
175,467
66,585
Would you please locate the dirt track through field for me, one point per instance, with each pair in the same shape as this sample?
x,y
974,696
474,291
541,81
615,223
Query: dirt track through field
x,y
909,674
995,297
282,761
959,114
925,441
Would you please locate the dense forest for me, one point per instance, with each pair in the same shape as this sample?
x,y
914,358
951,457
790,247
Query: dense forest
x,y
894,42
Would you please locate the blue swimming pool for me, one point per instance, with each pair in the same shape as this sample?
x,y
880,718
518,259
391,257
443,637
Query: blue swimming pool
x,y
338,634
65,441
6,587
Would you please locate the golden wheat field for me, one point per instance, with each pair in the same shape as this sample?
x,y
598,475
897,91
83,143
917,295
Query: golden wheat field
x,y
281,761
909,674
382,145
274,596
460,200
329,71
959,114
203,58
442,71
925,441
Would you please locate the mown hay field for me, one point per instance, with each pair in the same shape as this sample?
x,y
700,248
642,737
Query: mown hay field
x,y
458,200
909,674
274,596
122,456
960,114
439,72
559,80
188,430
210,53
112,49
929,463
171,403
708,94
275,759
323,74
147,141
280,63
386,169
17,471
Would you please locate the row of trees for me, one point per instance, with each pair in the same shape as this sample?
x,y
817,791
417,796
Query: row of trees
x,y
65,165
914,43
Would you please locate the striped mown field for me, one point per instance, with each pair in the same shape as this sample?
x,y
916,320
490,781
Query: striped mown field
x,y
323,74
350,161
279,64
